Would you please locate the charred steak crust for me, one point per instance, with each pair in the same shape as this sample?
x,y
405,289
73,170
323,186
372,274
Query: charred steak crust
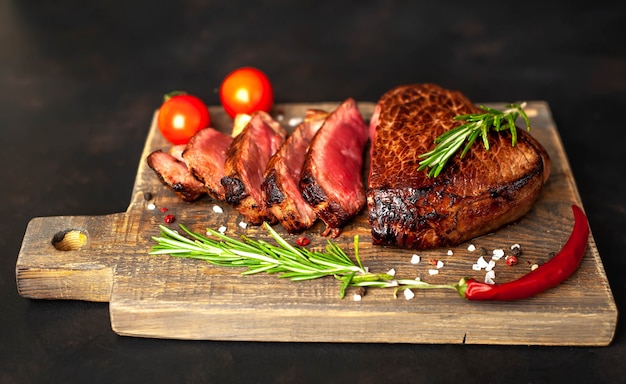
x,y
244,168
332,179
282,176
472,197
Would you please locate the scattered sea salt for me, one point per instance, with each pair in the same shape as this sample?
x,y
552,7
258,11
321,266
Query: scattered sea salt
x,y
497,254
243,224
433,272
408,294
391,272
439,264
221,229
515,246
217,209
481,262
490,266
471,248
490,277
476,267
415,259
295,121
356,297
450,253
151,206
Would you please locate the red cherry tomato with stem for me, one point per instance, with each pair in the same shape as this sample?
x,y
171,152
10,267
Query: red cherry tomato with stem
x,y
246,90
182,115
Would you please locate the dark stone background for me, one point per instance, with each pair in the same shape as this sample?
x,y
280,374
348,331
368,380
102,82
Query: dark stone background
x,y
79,82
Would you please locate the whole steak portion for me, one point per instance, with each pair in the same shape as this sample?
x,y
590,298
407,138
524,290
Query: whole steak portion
x,y
244,169
332,181
471,196
282,176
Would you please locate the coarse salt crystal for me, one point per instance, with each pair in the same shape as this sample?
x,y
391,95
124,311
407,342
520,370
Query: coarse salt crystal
x,y
534,266
481,262
356,297
151,206
221,229
515,246
391,272
490,265
476,267
433,271
243,224
450,253
295,121
471,248
415,259
490,277
439,264
497,254
217,209
418,278
408,294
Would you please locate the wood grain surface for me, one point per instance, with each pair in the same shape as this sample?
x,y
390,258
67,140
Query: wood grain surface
x,y
166,297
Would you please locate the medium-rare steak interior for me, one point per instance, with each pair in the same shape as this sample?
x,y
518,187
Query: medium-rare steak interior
x,y
471,197
205,155
332,181
175,174
245,165
282,176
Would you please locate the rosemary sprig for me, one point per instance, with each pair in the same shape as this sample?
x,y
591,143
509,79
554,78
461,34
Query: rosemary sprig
x,y
282,258
476,124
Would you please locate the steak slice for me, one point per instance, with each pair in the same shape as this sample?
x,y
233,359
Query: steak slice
x,y
332,180
282,176
205,155
246,161
174,174
470,197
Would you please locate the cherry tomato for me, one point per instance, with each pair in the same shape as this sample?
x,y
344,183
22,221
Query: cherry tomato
x,y
182,115
246,90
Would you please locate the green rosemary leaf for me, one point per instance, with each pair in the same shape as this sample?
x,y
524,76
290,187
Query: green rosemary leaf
x,y
479,124
281,259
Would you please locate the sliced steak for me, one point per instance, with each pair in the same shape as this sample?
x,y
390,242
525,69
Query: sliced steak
x,y
174,174
332,179
245,165
205,155
471,197
282,176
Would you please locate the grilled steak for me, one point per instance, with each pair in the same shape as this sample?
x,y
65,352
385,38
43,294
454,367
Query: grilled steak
x,y
245,165
205,155
282,176
174,174
332,180
470,197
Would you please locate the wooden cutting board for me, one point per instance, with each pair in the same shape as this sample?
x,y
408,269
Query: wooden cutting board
x,y
105,259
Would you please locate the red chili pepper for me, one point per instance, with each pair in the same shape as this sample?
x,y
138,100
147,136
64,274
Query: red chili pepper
x,y
548,275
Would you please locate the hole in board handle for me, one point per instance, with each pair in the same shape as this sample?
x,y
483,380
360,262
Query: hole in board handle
x,y
69,240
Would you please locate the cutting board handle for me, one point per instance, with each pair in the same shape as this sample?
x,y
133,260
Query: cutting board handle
x,y
71,257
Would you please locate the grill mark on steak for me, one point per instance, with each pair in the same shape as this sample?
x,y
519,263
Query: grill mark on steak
x,y
282,176
174,174
332,180
205,155
481,193
246,161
